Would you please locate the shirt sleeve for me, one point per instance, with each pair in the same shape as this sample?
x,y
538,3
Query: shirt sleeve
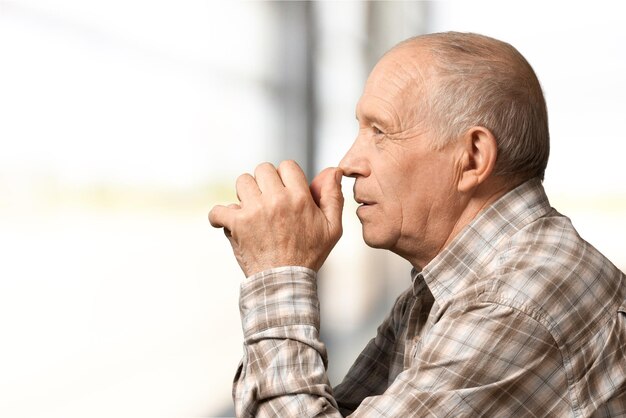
x,y
482,359
283,370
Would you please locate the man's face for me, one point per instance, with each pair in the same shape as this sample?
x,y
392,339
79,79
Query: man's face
x,y
407,190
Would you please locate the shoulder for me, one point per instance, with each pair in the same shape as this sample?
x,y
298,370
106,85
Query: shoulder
x,y
549,272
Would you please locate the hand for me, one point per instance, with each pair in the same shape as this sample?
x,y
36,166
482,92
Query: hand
x,y
280,221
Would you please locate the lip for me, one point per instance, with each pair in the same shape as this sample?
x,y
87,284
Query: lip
x,y
363,202
359,197
363,209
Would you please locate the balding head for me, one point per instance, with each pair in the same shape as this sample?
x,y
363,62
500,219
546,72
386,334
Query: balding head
x,y
480,81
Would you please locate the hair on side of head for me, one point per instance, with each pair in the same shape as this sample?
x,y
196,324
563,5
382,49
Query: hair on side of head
x,y
481,81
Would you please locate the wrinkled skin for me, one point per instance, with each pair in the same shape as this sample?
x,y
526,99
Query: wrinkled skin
x,y
280,220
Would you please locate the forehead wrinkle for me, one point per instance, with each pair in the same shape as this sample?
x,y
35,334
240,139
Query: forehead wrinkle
x,y
409,70
392,86
394,93
399,78
367,111
417,58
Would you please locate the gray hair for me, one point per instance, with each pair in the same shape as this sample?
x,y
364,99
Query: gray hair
x,y
481,81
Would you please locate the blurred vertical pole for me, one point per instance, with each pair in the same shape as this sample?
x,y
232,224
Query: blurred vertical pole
x,y
296,82
391,22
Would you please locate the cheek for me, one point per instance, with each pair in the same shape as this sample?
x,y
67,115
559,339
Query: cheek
x,y
398,189
405,178
389,179
394,211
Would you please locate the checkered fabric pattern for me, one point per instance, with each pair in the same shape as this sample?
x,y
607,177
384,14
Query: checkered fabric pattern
x,y
517,317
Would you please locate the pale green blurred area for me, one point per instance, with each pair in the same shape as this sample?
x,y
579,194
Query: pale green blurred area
x,y
123,122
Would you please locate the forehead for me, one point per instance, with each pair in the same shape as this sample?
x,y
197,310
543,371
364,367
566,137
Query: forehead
x,y
402,67
397,80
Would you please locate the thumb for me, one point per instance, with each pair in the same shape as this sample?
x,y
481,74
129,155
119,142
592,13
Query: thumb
x,y
326,191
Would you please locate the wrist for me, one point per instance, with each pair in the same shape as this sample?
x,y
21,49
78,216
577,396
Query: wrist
x,y
281,270
279,297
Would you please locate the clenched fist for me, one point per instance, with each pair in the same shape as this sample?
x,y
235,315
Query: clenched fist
x,y
280,220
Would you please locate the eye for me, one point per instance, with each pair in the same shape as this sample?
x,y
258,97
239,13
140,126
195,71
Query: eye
x,y
376,130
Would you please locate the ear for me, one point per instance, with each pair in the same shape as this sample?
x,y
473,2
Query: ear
x,y
480,151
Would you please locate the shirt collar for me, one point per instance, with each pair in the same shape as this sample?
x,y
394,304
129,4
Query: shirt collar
x,y
461,261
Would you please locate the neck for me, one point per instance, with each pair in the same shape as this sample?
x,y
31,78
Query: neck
x,y
470,206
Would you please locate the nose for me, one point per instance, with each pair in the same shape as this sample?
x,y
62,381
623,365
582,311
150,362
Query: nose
x,y
355,163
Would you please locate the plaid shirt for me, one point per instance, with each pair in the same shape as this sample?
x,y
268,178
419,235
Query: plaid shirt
x,y
517,317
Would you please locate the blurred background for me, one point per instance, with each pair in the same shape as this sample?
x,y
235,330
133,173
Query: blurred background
x,y
123,122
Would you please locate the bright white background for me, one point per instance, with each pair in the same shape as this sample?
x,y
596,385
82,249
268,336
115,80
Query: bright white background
x,y
123,122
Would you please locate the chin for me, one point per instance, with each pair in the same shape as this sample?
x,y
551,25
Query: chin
x,y
375,239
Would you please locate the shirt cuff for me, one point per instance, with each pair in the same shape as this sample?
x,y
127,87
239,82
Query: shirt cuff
x,y
278,298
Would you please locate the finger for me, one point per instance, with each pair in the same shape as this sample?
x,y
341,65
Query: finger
x,y
325,175
292,176
268,179
227,232
246,188
222,217
326,191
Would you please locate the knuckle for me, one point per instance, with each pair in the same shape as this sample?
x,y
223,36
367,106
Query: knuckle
x,y
276,202
243,178
243,220
214,216
238,220
300,199
263,167
288,164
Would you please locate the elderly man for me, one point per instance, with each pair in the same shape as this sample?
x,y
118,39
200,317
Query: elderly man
x,y
510,313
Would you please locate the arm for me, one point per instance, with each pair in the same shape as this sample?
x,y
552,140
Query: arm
x,y
283,371
288,377
280,221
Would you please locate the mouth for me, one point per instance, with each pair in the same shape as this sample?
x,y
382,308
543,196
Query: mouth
x,y
363,202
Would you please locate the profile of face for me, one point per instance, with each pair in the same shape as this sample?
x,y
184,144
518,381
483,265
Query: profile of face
x,y
406,189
